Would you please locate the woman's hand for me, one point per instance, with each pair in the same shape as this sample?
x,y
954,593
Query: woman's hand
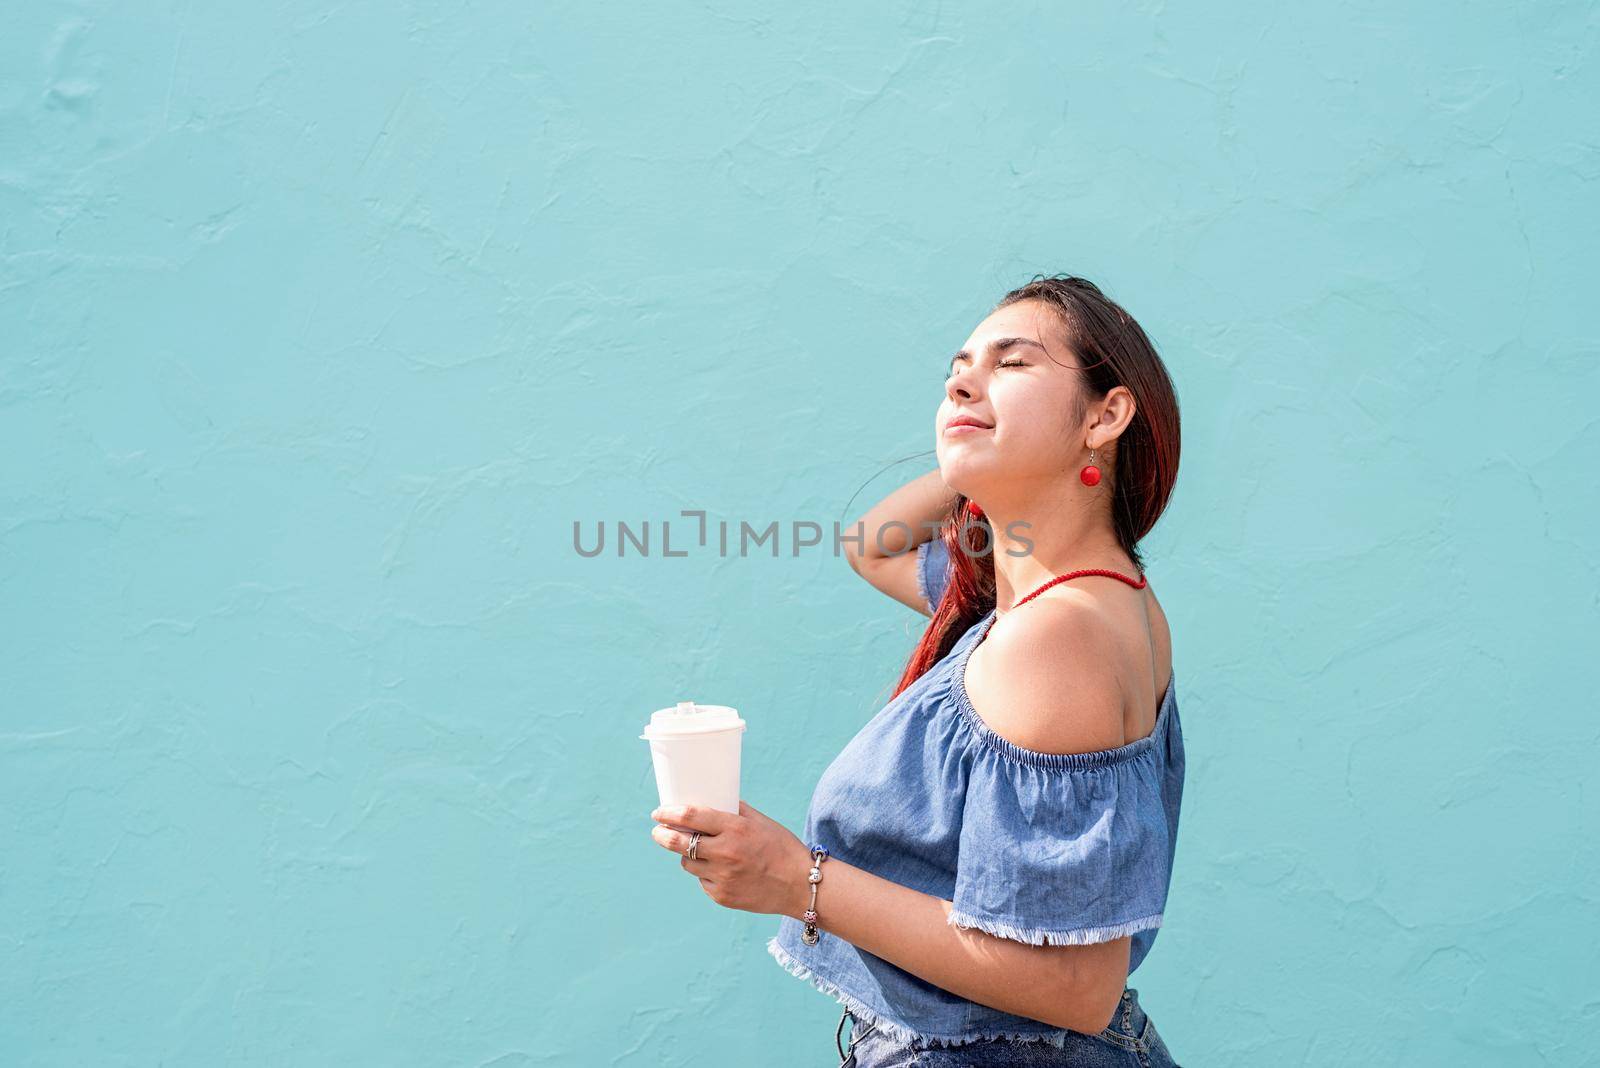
x,y
745,861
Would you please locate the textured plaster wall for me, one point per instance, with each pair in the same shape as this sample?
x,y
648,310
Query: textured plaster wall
x,y
319,326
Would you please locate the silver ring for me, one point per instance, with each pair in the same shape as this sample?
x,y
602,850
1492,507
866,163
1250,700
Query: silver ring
x,y
694,846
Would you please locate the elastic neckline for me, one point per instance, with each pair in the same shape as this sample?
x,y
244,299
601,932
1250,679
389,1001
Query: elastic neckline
x,y
1094,759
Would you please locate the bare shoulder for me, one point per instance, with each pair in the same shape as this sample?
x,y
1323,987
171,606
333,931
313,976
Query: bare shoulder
x,y
1047,677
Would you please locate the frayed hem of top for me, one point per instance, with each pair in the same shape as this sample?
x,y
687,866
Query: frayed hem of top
x,y
898,1032
1038,937
922,582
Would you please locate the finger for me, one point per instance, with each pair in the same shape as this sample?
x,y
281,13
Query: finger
x,y
694,818
678,841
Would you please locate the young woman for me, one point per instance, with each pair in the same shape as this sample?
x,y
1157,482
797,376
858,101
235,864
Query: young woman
x,y
988,860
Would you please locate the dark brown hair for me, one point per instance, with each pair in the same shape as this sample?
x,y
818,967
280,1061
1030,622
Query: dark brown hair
x,y
1112,350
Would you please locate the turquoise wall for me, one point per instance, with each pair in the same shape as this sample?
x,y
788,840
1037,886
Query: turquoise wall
x,y
321,324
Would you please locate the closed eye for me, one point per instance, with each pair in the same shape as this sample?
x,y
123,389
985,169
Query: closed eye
x,y
1008,363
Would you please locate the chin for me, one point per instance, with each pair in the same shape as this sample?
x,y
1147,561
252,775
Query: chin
x,y
964,476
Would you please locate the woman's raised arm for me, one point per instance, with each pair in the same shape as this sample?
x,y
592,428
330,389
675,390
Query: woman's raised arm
x,y
886,556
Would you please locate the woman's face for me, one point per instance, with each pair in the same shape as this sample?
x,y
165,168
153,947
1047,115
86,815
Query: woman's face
x,y
1015,375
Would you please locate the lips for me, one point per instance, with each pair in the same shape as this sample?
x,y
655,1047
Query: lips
x,y
967,421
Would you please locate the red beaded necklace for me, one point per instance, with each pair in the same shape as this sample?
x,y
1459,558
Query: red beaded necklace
x,y
1141,584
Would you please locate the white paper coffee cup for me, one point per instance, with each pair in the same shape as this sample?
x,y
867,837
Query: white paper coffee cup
x,y
695,749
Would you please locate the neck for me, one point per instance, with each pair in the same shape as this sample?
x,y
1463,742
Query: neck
x,y
1054,533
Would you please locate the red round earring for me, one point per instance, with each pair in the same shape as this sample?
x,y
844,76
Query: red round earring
x,y
1090,474
973,510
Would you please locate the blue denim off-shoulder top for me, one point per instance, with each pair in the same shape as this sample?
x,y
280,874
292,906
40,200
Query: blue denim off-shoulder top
x,y
1044,848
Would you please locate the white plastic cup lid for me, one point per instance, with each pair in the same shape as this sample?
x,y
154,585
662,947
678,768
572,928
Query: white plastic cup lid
x,y
688,718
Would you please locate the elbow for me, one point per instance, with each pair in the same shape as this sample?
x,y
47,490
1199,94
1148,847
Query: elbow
x,y
853,554
1107,1004
1094,1019
1088,1002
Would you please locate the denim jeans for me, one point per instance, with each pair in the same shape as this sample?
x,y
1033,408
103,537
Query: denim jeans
x,y
1130,1042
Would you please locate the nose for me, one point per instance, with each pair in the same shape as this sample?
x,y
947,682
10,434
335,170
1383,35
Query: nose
x,y
961,386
